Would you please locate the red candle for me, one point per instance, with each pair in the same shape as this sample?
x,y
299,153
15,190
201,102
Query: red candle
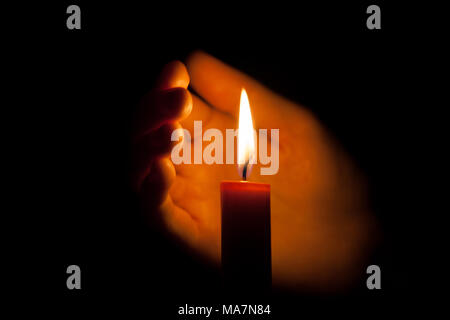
x,y
246,240
246,249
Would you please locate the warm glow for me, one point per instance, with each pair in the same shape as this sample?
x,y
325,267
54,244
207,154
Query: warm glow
x,y
246,140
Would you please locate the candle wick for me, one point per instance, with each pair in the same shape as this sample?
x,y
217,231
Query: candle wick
x,y
244,172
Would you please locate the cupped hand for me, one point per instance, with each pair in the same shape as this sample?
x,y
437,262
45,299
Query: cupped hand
x,y
321,227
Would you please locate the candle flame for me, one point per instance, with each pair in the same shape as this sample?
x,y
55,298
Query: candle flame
x,y
246,140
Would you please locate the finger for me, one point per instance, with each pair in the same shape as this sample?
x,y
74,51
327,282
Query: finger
x,y
167,99
156,144
155,186
173,75
200,112
159,108
221,86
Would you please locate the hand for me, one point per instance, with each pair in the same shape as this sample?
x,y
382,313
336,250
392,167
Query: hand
x,y
321,228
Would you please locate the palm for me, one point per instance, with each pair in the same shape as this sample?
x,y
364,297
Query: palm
x,y
319,224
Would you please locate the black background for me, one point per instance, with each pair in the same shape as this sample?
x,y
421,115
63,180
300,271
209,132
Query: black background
x,y
83,85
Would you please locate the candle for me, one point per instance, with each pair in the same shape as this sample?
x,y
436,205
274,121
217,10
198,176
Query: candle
x,y
246,240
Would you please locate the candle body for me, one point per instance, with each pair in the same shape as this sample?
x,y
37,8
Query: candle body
x,y
246,239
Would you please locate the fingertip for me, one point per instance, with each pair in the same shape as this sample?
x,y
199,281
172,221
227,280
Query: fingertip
x,y
148,156
173,75
159,142
167,172
185,103
156,186
175,103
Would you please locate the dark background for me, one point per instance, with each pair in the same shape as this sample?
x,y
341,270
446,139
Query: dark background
x,y
84,84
